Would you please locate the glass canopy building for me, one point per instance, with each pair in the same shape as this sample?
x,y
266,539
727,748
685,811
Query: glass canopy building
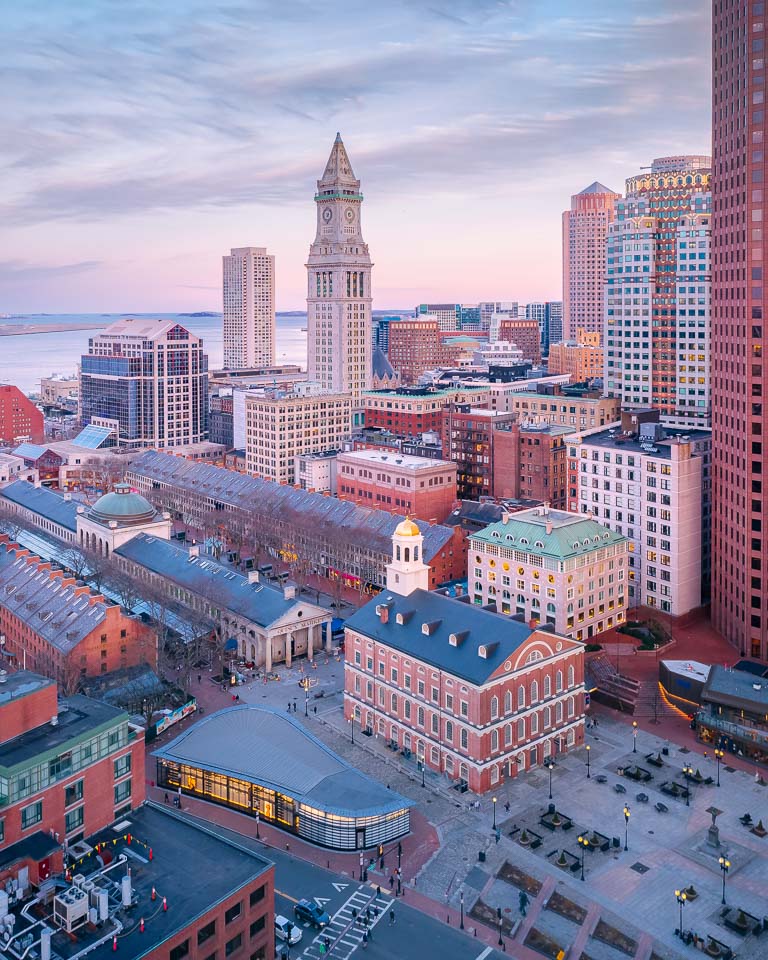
x,y
264,763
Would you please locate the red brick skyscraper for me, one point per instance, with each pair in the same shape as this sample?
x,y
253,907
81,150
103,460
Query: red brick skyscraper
x,y
739,382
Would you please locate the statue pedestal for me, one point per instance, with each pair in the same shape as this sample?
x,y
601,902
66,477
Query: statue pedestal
x,y
713,836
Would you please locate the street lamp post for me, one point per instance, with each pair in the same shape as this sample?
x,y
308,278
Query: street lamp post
x,y
588,752
626,825
352,727
725,866
719,754
461,904
687,772
634,736
583,843
498,917
681,897
257,826
550,765
422,754
494,813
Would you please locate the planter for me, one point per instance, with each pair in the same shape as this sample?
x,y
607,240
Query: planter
x,y
543,944
518,878
615,938
566,908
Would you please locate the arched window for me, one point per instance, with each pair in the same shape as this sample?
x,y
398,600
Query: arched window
x,y
407,554
415,553
494,707
508,702
559,711
559,681
520,730
397,552
508,735
571,676
520,698
547,686
534,691
494,740
394,703
464,739
534,723
420,717
571,707
547,717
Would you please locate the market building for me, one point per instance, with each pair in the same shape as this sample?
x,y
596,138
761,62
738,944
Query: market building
x,y
734,708
473,695
264,763
261,623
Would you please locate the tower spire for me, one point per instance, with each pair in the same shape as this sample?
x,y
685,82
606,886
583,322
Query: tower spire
x,y
338,171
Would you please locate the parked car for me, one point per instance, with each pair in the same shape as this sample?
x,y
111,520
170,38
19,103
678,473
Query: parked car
x,y
309,911
287,930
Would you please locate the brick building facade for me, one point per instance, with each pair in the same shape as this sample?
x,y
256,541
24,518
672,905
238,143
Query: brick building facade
x,y
410,412
472,695
67,769
525,333
53,624
530,461
417,486
19,417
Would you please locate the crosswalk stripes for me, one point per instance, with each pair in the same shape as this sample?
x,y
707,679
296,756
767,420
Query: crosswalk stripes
x,y
344,932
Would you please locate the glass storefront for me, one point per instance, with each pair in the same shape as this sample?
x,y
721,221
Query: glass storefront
x,y
310,823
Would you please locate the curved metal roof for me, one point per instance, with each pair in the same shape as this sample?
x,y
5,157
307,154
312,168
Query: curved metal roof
x,y
272,749
124,506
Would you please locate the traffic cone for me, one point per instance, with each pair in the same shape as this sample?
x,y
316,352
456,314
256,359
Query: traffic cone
x,y
165,904
114,944
141,925
154,894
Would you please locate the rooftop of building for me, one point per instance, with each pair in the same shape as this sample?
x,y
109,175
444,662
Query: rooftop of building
x,y
564,391
124,507
404,461
343,518
182,847
49,604
78,718
740,689
14,686
479,513
549,533
543,428
427,393
381,366
268,747
145,328
257,602
461,638
597,187
612,438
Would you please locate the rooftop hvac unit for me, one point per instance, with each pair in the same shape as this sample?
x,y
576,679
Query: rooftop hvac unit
x,y
70,908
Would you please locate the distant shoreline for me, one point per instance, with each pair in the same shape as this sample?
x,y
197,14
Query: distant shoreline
x,y
25,329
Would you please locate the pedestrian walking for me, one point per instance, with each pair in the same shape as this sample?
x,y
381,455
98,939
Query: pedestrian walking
x,y
391,917
365,939
378,891
368,914
167,800
506,806
289,706
391,881
199,678
315,709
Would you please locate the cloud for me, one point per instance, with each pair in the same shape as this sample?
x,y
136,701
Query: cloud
x,y
12,271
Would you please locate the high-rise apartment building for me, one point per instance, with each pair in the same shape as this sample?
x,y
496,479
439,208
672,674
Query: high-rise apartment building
x,y
413,347
279,427
488,308
148,380
658,257
585,231
523,331
549,316
339,283
739,313
249,308
447,315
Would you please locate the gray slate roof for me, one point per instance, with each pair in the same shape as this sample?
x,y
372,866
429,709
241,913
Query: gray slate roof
x,y
50,609
258,602
500,635
375,527
270,748
736,688
44,502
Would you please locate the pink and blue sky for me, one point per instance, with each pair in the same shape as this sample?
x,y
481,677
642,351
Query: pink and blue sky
x,y
142,139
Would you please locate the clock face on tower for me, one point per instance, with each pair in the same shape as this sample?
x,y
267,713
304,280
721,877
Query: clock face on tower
x,y
349,213
327,214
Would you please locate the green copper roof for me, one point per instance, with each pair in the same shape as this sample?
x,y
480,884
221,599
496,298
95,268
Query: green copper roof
x,y
556,533
124,506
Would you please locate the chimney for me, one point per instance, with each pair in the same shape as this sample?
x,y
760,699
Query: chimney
x,y
549,527
505,516
384,613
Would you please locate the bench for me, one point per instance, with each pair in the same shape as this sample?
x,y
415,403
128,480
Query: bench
x,y
662,807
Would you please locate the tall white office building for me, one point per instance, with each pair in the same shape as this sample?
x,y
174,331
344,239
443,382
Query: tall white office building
x,y
249,308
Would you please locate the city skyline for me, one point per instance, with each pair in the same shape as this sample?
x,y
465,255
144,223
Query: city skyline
x,y
134,155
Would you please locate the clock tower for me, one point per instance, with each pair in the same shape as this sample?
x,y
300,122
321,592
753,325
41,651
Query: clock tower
x,y
339,284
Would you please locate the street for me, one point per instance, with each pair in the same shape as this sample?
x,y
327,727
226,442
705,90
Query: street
x,y
413,934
